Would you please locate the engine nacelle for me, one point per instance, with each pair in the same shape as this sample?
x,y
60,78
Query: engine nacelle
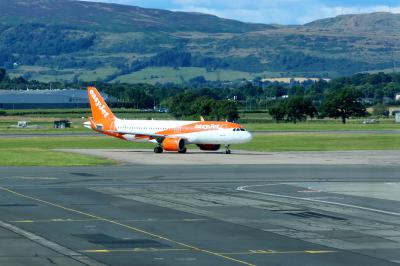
x,y
209,147
174,144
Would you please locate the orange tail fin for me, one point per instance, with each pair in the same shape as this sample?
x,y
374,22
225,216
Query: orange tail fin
x,y
100,110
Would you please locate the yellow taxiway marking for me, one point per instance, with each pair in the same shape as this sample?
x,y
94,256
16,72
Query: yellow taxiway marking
x,y
269,251
250,252
133,250
132,228
59,220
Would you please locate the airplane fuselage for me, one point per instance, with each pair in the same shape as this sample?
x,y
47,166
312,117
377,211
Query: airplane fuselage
x,y
194,132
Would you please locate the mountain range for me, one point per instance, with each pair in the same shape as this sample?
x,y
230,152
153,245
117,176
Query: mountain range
x,y
69,40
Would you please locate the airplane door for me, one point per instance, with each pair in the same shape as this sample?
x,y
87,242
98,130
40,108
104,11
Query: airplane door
x,y
222,132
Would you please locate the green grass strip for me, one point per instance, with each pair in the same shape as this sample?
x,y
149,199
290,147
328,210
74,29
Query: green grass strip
x,y
39,151
41,157
322,142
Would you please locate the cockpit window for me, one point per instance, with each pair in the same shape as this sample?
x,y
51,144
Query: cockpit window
x,y
239,129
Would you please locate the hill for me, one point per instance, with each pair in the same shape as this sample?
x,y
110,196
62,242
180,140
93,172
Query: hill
x,y
378,22
72,40
115,17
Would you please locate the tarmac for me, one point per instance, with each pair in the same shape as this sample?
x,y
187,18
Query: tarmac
x,y
197,157
201,214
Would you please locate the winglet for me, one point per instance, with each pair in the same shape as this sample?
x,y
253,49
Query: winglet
x,y
202,118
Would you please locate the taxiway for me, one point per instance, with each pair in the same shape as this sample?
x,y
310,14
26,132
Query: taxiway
x,y
201,215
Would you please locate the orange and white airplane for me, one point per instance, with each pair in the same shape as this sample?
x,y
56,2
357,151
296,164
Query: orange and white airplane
x,y
169,135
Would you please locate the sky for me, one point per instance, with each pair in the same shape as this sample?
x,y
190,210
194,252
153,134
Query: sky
x,y
287,12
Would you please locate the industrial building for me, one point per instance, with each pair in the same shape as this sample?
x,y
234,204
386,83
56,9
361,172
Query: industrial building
x,y
46,99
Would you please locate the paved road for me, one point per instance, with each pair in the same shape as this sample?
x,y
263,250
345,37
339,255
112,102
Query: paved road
x,y
267,132
197,157
201,215
46,135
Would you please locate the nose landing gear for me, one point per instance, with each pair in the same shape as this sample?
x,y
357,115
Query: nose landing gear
x,y
227,151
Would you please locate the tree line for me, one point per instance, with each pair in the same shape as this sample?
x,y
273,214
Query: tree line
x,y
339,98
342,103
192,104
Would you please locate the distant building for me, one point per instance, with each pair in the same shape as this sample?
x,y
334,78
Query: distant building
x,y
397,117
62,124
46,99
367,100
397,97
393,110
291,80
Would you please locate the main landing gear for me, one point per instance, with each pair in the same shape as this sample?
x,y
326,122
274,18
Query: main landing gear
x,y
183,151
158,149
227,151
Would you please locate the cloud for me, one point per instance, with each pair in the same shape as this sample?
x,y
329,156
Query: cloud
x,y
270,11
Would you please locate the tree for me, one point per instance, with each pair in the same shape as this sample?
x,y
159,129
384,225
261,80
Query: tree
x,y
296,90
343,103
203,106
276,91
293,109
278,111
225,109
2,74
299,108
180,104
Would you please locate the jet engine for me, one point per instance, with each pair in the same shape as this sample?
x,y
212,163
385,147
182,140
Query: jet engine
x,y
174,144
209,147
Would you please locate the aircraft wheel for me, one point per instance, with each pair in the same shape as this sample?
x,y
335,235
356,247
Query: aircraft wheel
x,y
158,149
183,151
227,150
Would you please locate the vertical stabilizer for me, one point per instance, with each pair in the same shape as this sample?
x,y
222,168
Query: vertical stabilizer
x,y
100,110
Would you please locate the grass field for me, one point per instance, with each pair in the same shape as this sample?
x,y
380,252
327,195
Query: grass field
x,y
44,119
323,142
43,157
331,125
44,74
168,74
46,127
40,151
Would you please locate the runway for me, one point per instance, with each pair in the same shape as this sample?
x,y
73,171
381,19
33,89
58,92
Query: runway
x,y
201,215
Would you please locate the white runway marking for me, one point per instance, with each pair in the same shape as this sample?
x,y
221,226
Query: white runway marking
x,y
245,188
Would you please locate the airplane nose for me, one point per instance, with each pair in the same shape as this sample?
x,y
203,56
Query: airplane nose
x,y
248,136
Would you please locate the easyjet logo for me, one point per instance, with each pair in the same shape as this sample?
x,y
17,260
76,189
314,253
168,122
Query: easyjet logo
x,y
205,126
98,104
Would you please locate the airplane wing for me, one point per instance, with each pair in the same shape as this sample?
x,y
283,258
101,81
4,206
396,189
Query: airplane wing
x,y
154,136
139,135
